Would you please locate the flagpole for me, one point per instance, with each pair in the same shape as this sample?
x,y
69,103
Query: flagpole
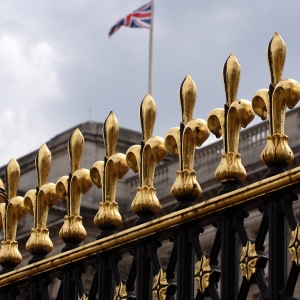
x,y
151,49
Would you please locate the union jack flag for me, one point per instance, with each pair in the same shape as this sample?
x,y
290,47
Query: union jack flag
x,y
140,18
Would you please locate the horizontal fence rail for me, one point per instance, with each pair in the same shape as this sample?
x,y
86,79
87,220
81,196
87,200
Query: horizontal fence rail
x,y
163,227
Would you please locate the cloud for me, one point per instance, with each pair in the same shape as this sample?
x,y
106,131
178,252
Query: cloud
x,y
29,87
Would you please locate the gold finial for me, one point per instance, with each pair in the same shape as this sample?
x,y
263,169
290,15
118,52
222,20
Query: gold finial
x,y
105,175
231,78
70,189
228,122
76,143
276,54
147,117
110,134
183,141
12,176
143,159
187,97
37,202
11,211
272,104
42,163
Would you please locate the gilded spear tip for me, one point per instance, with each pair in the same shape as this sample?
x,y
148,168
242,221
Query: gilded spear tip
x,y
276,54
76,144
231,78
147,117
187,98
110,134
43,163
12,178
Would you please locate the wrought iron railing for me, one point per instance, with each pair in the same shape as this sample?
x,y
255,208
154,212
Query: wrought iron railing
x,y
190,272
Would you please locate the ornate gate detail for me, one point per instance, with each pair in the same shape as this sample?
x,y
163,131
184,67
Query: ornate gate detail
x,y
187,270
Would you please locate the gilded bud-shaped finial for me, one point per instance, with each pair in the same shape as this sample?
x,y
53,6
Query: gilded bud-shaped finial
x,y
272,103
76,144
231,78
182,141
70,189
143,159
187,97
276,54
105,175
227,122
110,134
12,209
38,202
147,117
42,163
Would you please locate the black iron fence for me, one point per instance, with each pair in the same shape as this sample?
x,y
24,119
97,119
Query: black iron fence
x,y
223,272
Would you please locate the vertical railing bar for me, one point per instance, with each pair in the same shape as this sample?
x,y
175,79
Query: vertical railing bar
x,y
214,295
185,265
262,231
216,247
277,247
287,206
94,287
261,282
172,261
291,282
132,275
77,278
194,237
244,289
43,283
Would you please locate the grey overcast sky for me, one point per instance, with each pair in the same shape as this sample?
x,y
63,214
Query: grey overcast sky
x,y
57,61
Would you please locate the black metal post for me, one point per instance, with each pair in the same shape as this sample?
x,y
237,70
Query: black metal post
x,y
144,271
277,247
185,265
229,248
229,259
105,278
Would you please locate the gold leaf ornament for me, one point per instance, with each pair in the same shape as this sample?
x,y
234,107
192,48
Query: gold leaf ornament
x,y
105,175
272,104
12,209
182,141
143,159
160,286
203,274
228,122
38,202
249,260
294,245
71,188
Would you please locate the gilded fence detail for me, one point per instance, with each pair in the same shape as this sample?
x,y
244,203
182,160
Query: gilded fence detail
x,y
271,104
182,141
142,159
160,250
38,202
70,189
105,175
12,209
227,122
